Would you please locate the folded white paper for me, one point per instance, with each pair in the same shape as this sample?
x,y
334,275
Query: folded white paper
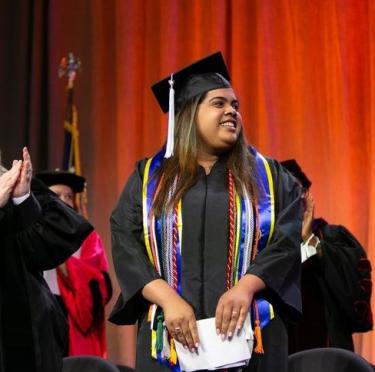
x,y
213,352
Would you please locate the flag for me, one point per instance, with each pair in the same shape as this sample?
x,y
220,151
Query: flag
x,y
69,66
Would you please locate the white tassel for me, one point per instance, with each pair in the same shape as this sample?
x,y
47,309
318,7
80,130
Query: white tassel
x,y
170,138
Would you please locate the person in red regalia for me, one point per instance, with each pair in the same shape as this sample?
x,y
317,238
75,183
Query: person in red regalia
x,y
81,284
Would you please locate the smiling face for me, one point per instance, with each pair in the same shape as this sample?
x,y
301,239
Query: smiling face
x,y
218,122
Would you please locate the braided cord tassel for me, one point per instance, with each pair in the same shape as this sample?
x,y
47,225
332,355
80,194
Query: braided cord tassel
x,y
257,330
174,242
159,333
231,230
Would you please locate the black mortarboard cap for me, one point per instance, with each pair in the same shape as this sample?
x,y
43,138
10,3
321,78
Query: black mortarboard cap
x,y
202,76
58,177
294,168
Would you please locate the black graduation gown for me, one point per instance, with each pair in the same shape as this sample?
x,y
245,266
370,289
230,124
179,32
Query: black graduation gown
x,y
204,252
37,235
336,292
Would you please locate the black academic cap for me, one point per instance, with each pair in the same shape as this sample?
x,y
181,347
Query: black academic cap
x,y
202,76
58,177
294,168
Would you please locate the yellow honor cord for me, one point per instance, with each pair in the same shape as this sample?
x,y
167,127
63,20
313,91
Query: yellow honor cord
x,y
272,196
145,210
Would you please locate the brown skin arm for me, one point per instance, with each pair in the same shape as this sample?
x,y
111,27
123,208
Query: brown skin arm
x,y
233,306
308,218
308,215
178,314
231,310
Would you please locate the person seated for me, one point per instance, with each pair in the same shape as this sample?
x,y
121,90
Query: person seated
x,y
82,283
336,281
38,232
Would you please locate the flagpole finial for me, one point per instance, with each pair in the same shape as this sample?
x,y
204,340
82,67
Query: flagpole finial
x,y
69,66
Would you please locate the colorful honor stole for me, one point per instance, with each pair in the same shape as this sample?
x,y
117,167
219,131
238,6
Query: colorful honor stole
x,y
262,310
163,240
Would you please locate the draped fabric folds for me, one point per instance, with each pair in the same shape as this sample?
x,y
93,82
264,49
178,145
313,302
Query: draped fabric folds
x,y
304,71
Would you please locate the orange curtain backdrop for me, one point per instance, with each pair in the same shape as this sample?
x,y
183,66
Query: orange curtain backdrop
x,y
304,71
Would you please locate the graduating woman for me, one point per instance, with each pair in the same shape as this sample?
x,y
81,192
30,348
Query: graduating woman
x,y
208,227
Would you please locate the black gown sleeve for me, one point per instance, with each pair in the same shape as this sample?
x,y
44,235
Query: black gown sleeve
x,y
279,264
131,263
47,230
344,276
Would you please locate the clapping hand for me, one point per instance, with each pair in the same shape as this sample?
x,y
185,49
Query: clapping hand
x,y
8,181
308,215
22,186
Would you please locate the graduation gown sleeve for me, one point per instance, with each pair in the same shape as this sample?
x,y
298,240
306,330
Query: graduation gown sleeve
x,y
279,264
85,292
344,276
48,231
76,287
40,233
132,265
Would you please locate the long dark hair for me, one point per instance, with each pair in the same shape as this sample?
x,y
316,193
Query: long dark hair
x,y
183,166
